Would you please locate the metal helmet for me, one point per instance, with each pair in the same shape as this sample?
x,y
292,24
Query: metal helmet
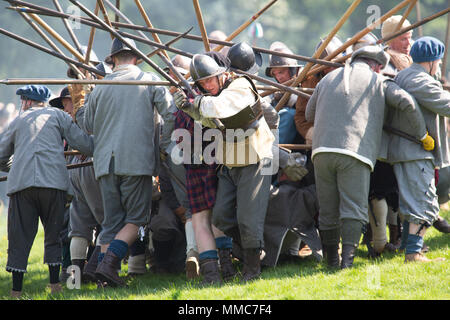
x,y
244,58
279,61
334,44
92,59
181,64
203,66
118,46
371,52
368,39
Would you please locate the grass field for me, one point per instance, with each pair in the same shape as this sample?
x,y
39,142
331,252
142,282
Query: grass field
x,y
386,278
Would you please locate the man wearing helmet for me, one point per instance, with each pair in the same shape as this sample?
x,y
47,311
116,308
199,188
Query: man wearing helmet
x,y
284,69
124,122
347,108
243,186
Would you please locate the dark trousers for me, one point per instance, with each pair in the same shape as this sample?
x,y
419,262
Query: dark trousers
x,y
26,207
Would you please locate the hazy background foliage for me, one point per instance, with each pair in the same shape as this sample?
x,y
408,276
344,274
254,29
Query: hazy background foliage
x,y
298,23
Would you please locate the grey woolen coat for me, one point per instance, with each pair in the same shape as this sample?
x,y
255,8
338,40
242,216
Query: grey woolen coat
x,y
348,115
434,104
35,138
122,119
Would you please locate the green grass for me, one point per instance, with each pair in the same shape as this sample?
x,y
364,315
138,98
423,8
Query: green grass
x,y
385,278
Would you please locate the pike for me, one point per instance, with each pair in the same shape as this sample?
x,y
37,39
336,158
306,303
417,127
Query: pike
x,y
90,22
117,35
401,134
277,85
246,24
295,146
49,41
46,50
69,167
318,52
163,55
159,46
68,27
21,81
91,38
359,35
182,79
201,24
394,35
56,35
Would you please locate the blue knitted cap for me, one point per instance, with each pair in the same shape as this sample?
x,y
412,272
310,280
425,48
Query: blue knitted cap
x,y
427,49
35,92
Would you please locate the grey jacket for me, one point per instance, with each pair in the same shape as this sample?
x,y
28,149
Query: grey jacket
x,y
36,139
348,116
123,121
434,103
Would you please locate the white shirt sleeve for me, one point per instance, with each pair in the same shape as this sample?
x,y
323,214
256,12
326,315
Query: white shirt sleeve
x,y
237,96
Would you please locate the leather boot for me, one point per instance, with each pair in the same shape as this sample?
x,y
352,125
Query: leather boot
x,y
348,254
80,263
226,265
332,255
252,264
419,257
394,235
192,265
209,269
107,270
15,294
91,266
442,225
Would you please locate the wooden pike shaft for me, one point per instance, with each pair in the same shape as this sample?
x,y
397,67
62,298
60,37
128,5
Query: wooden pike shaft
x,y
361,34
23,81
406,14
68,27
53,53
246,24
91,22
149,24
296,146
91,38
116,34
319,51
447,43
55,34
49,41
69,167
201,25
105,15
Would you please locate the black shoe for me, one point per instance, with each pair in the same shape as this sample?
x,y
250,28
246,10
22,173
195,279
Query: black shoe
x,y
442,225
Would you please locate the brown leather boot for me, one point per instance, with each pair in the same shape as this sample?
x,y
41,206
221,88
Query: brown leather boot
x,y
252,264
15,294
419,257
209,269
192,265
91,266
107,270
226,265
